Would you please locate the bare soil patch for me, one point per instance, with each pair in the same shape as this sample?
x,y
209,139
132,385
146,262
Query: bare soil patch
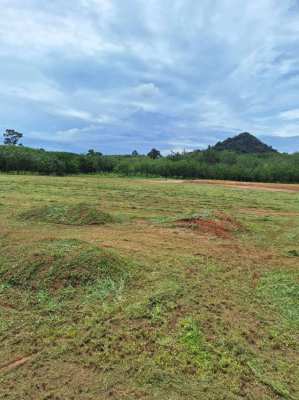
x,y
222,226
272,187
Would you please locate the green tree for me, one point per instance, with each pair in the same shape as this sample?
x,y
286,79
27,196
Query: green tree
x,y
154,154
12,137
92,152
210,156
176,156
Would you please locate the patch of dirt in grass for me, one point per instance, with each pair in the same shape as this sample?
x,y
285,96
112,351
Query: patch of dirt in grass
x,y
7,306
78,214
222,226
54,380
55,264
272,187
14,364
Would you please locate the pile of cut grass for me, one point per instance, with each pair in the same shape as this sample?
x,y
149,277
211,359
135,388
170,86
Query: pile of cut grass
x,y
78,214
56,264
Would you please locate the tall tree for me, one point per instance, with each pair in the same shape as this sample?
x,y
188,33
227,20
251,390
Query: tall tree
x,y
12,137
92,152
154,153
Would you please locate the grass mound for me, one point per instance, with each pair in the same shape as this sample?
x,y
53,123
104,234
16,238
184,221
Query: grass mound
x,y
63,263
78,214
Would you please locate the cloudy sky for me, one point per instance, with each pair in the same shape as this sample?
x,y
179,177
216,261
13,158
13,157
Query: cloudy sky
x,y
119,75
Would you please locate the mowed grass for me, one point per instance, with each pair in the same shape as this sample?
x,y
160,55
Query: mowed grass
x,y
78,214
106,294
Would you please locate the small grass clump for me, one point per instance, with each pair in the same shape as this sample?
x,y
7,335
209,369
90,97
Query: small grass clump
x,y
78,214
193,341
293,253
59,264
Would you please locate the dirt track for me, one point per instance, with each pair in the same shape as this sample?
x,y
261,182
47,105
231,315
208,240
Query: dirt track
x,y
14,364
272,187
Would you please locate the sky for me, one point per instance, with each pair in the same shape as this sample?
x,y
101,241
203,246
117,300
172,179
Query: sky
x,y
124,75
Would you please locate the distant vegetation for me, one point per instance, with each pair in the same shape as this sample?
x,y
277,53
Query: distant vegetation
x,y
242,158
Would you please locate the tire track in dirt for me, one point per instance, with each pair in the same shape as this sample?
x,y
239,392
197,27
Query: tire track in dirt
x,y
15,364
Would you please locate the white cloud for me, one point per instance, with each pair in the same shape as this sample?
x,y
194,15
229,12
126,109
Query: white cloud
x,y
40,92
146,90
80,115
290,115
36,31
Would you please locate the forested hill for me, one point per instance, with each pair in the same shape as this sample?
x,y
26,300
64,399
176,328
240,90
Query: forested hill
x,y
244,143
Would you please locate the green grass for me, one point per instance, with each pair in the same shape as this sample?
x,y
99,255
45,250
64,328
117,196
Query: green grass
x,y
146,308
281,290
194,343
54,264
78,214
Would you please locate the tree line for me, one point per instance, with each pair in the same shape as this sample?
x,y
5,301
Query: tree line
x,y
207,164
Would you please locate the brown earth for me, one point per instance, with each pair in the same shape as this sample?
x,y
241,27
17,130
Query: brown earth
x,y
272,187
223,226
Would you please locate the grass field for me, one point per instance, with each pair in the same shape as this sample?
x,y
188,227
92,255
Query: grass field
x,y
117,288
